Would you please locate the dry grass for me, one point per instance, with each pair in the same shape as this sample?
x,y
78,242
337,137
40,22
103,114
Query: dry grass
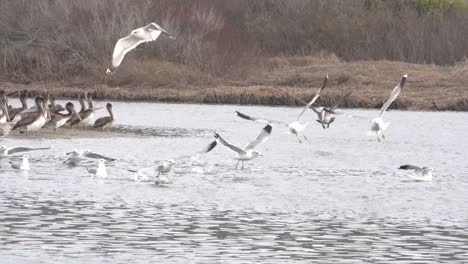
x,y
369,81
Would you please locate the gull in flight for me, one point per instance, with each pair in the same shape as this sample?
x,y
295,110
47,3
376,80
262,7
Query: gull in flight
x,y
378,124
147,33
296,127
248,152
419,174
75,157
326,115
6,152
100,171
24,164
167,165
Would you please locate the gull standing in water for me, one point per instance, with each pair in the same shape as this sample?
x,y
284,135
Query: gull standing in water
x,y
6,152
24,164
248,152
147,33
378,124
420,174
296,127
100,171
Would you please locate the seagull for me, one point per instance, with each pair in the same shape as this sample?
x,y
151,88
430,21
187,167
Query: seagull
x,y
100,171
6,152
147,33
74,157
248,152
326,115
420,174
106,121
167,165
24,165
295,127
378,124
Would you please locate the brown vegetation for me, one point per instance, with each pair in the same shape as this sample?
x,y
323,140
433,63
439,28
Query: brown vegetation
x,y
238,51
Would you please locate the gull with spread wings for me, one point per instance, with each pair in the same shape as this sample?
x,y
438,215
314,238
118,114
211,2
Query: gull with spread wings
x,y
296,127
419,174
378,124
248,152
6,152
76,156
147,33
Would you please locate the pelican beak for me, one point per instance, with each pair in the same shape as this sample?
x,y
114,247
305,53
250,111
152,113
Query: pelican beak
x,y
76,114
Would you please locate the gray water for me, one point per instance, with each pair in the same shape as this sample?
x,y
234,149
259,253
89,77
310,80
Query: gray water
x,y
337,199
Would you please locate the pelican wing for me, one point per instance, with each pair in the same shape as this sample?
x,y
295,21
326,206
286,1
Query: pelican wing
x,y
26,120
92,155
410,167
102,121
227,144
262,137
314,99
123,46
23,149
258,119
396,91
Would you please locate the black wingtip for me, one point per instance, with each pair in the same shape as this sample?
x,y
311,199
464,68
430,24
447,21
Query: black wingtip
x,y
404,167
216,135
212,146
268,128
241,115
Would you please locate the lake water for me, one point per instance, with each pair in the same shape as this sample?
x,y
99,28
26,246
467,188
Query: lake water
x,y
337,199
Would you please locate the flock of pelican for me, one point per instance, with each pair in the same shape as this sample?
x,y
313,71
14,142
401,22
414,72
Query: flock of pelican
x,y
46,113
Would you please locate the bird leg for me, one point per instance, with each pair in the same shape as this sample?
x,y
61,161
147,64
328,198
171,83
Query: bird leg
x,y
304,137
237,164
298,139
242,164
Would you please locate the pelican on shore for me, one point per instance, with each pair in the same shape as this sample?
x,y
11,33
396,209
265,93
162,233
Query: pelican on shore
x,y
419,174
296,127
87,114
15,113
378,124
35,120
140,35
6,152
106,121
5,128
59,119
248,152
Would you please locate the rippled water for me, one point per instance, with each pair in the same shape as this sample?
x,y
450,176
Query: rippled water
x,y
337,199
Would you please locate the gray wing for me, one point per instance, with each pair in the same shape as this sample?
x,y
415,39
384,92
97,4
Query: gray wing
x,y
26,120
262,137
396,91
14,166
122,47
92,155
92,171
315,98
258,119
410,167
337,103
23,149
230,146
102,121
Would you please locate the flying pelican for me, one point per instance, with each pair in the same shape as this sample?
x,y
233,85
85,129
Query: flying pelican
x,y
6,152
74,157
100,171
35,120
378,124
105,122
58,119
248,152
420,174
24,164
296,127
147,33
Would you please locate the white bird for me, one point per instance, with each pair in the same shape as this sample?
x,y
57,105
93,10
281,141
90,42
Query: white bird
x,y
248,152
378,124
75,157
24,164
147,33
296,127
101,171
6,152
420,174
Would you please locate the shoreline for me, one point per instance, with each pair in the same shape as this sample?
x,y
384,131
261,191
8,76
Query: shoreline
x,y
428,88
